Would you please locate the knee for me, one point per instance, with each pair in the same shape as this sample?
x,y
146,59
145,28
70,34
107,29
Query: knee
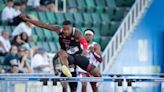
x,y
93,84
98,74
95,72
62,54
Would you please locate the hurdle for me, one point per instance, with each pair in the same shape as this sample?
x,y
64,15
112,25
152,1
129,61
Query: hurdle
x,y
46,82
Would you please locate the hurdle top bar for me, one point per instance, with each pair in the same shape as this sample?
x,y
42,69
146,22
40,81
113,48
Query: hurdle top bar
x,y
73,79
108,75
107,78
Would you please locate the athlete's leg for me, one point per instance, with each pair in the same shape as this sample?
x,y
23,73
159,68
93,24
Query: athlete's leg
x,y
94,71
84,84
73,85
63,56
84,87
64,85
83,63
54,59
94,87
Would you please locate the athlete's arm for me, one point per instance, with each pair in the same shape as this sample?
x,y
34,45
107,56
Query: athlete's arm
x,y
81,39
96,51
40,24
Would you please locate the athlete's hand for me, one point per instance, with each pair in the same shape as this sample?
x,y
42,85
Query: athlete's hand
x,y
23,17
92,49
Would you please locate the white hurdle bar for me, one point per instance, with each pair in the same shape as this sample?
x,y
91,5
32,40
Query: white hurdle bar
x,y
45,78
117,78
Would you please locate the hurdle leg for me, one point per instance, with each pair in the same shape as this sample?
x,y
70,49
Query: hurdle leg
x,y
119,88
113,86
39,86
56,86
32,86
162,86
50,86
45,87
129,85
26,86
29,86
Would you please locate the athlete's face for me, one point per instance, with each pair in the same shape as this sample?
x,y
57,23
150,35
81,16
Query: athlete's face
x,y
89,37
67,30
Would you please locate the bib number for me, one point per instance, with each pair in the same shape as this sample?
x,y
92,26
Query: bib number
x,y
73,50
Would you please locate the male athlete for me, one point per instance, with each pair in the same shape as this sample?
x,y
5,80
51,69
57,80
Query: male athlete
x,y
70,40
94,56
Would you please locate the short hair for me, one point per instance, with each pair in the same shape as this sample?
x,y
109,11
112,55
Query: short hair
x,y
66,22
89,30
9,0
17,4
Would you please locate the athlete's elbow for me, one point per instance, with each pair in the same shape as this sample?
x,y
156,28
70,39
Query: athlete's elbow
x,y
100,60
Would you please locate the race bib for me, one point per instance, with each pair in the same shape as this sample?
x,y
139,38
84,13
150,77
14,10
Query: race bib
x,y
71,69
73,50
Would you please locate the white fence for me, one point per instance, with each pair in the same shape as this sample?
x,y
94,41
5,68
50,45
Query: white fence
x,y
126,28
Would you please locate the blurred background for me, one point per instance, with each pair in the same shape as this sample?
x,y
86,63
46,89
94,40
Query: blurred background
x,y
130,33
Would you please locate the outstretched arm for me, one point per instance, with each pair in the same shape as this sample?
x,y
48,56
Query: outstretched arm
x,y
40,24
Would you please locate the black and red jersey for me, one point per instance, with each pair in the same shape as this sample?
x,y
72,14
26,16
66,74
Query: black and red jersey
x,y
70,44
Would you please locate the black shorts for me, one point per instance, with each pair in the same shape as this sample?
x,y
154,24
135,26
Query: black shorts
x,y
80,61
73,85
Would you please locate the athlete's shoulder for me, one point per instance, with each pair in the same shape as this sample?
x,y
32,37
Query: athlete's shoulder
x,y
77,32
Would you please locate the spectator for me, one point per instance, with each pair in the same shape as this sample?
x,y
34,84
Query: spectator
x,y
23,6
14,69
30,53
11,58
23,60
40,61
24,37
4,43
2,52
17,8
48,4
43,5
17,41
33,3
23,27
21,40
10,14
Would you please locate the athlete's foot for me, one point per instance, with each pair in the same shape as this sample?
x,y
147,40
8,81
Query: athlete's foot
x,y
66,71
